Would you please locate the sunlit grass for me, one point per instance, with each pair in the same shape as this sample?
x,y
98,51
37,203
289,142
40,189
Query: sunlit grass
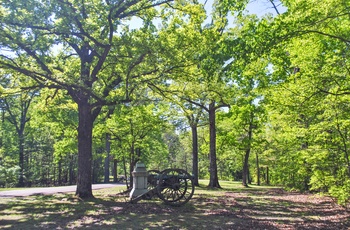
x,y
10,189
234,186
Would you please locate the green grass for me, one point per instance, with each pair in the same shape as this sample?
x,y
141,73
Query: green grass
x,y
8,189
232,207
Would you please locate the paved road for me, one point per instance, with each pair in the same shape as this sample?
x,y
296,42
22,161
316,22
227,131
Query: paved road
x,y
50,190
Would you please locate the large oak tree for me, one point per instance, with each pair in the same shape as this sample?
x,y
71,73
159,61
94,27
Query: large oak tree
x,y
86,49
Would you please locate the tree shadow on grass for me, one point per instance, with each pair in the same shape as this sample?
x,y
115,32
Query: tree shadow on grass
x,y
245,209
288,210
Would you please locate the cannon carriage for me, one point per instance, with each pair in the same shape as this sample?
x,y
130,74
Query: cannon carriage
x,y
174,186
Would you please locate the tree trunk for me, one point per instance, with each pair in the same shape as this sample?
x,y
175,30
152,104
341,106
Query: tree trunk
x,y
60,172
195,154
247,153
213,180
345,147
84,183
132,163
115,170
267,176
71,176
108,151
21,159
245,168
125,173
257,168
249,176
19,121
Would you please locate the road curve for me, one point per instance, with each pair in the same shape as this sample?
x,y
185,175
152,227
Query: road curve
x,y
50,190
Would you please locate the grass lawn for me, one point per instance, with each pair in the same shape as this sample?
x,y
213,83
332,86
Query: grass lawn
x,y
233,207
8,189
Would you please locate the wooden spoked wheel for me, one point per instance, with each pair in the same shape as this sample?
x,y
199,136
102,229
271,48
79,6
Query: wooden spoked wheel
x,y
175,186
152,179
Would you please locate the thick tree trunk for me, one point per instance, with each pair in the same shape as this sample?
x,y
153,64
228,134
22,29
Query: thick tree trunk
x,y
108,151
195,154
84,182
213,180
245,168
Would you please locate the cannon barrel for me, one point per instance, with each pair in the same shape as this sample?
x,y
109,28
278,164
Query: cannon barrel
x,y
174,186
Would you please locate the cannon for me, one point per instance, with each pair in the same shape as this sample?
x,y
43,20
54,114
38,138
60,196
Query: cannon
x,y
174,186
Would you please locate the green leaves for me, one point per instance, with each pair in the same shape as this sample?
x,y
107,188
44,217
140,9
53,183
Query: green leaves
x,y
307,109
139,126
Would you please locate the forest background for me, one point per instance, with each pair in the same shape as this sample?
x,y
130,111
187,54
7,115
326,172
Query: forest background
x,y
206,86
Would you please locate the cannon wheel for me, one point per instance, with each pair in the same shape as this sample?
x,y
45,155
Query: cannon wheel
x,y
175,186
152,179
